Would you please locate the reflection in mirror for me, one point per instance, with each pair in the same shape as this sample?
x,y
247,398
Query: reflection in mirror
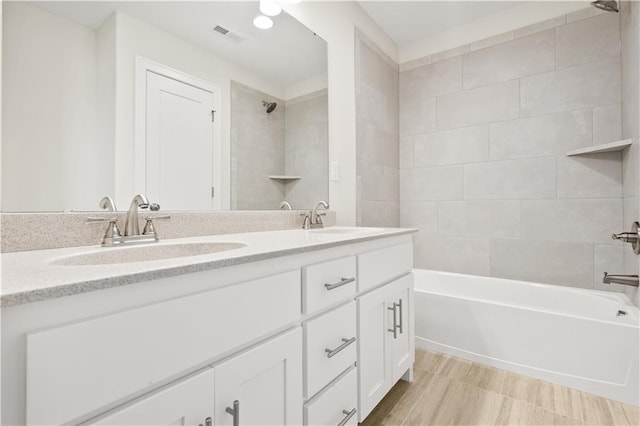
x,y
117,98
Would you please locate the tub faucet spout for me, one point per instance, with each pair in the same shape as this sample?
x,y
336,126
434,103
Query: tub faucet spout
x,y
631,280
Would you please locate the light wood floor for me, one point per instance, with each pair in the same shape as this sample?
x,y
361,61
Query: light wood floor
x,y
453,391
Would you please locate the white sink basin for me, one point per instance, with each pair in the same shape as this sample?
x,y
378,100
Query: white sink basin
x,y
146,253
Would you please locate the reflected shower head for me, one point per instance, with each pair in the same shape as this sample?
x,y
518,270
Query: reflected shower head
x,y
271,106
607,5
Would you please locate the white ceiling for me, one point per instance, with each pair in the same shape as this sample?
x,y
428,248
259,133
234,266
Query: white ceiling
x,y
285,54
409,21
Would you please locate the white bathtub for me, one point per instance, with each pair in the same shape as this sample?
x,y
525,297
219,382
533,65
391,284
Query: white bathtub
x,y
568,336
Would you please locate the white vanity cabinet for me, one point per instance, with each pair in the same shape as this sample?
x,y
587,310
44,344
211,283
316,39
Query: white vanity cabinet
x,y
188,402
265,383
299,340
385,334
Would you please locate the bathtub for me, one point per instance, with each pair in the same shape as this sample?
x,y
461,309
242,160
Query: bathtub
x,y
573,337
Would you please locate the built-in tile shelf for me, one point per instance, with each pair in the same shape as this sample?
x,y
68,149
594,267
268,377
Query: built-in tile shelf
x,y
605,147
284,177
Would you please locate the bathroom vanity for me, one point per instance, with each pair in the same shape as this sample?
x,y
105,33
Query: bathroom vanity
x,y
285,327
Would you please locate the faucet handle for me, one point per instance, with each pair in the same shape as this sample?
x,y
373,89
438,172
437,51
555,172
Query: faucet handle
x,y
149,229
306,224
101,219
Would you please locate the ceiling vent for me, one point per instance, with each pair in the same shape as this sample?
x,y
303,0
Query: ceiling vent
x,y
227,34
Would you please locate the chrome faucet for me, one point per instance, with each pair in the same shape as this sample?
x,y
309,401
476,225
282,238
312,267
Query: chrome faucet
x,y
631,280
285,206
316,219
132,227
107,204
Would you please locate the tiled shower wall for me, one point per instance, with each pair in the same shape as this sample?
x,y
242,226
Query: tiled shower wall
x,y
257,150
378,191
484,130
307,149
630,42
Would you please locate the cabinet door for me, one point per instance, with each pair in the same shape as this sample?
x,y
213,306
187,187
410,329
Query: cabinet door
x,y
266,382
188,402
402,344
374,351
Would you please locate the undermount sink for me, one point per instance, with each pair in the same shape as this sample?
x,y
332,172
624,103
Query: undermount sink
x,y
146,253
345,230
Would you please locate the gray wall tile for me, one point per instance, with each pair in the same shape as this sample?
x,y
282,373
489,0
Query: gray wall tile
x,y
512,179
491,41
545,135
479,106
588,40
432,183
420,214
521,57
583,86
593,176
589,221
552,262
466,145
431,80
484,219
417,117
463,255
540,26
607,124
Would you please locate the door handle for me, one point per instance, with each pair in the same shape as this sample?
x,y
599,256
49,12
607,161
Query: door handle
x,y
349,414
346,342
340,283
400,326
235,412
394,329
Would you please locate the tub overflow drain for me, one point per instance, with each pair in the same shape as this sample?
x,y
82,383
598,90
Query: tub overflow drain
x,y
621,312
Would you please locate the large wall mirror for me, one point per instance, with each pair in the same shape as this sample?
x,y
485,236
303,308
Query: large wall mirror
x,y
187,102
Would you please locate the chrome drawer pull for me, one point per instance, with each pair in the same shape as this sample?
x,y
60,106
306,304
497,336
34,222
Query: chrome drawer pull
x,y
342,282
346,342
395,327
235,412
400,326
348,417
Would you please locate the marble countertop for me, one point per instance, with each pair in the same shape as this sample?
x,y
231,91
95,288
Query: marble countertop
x,y
31,276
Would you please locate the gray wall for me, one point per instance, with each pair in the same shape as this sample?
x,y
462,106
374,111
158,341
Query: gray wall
x,y
630,42
378,191
257,150
307,149
483,137
292,140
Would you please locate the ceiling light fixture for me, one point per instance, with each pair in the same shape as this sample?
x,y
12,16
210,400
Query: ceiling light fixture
x,y
263,22
270,8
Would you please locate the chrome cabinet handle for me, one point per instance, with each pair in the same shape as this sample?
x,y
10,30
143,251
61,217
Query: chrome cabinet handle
x,y
346,342
400,326
235,412
343,281
349,414
394,329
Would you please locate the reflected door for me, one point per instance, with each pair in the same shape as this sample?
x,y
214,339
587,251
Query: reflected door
x,y
179,144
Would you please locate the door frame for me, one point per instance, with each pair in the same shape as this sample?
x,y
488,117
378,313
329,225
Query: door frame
x,y
142,67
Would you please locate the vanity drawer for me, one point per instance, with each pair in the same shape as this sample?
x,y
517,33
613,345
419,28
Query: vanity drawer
x,y
338,402
78,368
379,266
330,346
327,283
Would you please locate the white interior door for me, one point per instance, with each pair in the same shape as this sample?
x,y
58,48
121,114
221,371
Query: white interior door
x,y
179,144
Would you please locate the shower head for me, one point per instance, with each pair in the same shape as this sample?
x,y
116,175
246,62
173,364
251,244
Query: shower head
x,y
271,106
607,5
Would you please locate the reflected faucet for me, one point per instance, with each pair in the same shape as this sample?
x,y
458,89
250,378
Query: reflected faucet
x,y
132,227
285,206
107,204
631,280
316,220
